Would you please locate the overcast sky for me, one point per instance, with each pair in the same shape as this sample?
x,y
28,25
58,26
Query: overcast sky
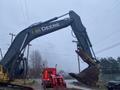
x,y
100,17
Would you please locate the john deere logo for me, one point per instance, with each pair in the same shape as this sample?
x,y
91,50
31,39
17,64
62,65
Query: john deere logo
x,y
45,28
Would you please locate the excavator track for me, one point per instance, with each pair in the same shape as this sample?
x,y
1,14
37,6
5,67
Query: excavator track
x,y
9,86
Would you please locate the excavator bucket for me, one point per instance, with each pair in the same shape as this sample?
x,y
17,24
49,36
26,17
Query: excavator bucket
x,y
90,75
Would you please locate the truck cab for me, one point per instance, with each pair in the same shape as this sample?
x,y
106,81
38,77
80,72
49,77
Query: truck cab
x,y
50,78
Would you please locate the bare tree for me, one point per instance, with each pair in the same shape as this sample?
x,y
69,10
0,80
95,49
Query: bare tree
x,y
36,64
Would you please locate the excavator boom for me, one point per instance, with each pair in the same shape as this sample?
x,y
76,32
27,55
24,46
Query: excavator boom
x,y
14,55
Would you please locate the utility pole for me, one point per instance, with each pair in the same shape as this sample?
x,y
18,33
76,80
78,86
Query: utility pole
x,y
77,55
12,35
1,53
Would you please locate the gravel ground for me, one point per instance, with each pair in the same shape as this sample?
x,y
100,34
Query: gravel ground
x,y
37,86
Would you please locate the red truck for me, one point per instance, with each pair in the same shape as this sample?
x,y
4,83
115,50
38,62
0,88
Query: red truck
x,y
50,79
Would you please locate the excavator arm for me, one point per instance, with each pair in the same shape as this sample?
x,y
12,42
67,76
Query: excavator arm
x,y
14,56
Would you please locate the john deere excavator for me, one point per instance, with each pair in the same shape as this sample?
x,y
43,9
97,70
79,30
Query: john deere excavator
x,y
13,63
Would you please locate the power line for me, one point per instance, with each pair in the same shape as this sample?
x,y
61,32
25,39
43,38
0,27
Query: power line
x,y
106,37
115,4
24,10
108,48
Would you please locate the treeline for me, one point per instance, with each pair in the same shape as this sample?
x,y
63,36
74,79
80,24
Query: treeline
x,y
110,65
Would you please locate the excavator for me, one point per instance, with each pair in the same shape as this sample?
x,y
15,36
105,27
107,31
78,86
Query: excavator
x,y
13,63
